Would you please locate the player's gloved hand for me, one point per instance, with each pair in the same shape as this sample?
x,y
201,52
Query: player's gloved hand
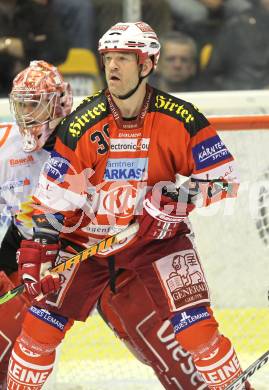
x,y
34,260
162,215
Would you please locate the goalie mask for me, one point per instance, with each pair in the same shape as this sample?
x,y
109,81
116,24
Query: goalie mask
x,y
138,38
39,100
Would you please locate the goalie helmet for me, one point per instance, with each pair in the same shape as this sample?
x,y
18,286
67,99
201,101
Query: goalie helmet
x,y
136,37
39,99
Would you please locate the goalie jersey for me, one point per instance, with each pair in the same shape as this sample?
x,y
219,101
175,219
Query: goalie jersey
x,y
19,175
103,165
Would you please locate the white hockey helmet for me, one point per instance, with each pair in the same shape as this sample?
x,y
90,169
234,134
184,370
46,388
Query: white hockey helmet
x,y
39,99
137,37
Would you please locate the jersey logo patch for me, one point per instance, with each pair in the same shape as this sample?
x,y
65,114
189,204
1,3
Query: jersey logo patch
x,y
210,152
52,319
21,161
56,166
129,145
182,279
189,317
126,169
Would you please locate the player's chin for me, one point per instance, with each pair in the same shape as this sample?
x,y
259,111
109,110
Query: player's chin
x,y
114,89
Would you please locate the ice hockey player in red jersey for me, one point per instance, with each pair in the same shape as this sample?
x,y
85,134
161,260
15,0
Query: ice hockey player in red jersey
x,y
24,150
115,161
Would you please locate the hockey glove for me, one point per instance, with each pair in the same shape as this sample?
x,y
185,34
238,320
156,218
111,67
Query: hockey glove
x,y
162,215
35,260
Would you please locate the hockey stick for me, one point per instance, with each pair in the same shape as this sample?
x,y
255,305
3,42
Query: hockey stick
x,y
182,194
249,371
81,256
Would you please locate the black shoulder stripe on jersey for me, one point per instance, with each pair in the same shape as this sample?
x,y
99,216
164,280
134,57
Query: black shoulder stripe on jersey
x,y
185,112
92,110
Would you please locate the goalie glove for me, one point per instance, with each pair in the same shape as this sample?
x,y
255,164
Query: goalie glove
x,y
162,215
34,261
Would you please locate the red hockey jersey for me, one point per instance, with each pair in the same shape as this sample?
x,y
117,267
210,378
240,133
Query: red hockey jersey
x,y
103,165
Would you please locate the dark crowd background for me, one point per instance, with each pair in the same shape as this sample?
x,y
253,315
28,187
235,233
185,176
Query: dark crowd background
x,y
207,45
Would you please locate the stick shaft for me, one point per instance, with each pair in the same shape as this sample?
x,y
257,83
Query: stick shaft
x,y
249,371
99,246
82,256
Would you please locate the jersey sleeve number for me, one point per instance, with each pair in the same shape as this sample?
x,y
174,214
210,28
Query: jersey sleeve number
x,y
101,137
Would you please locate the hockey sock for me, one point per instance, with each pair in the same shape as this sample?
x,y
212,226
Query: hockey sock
x,y
221,367
28,370
11,315
213,354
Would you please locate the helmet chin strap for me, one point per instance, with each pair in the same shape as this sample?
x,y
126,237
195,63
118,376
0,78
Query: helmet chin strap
x,y
132,91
